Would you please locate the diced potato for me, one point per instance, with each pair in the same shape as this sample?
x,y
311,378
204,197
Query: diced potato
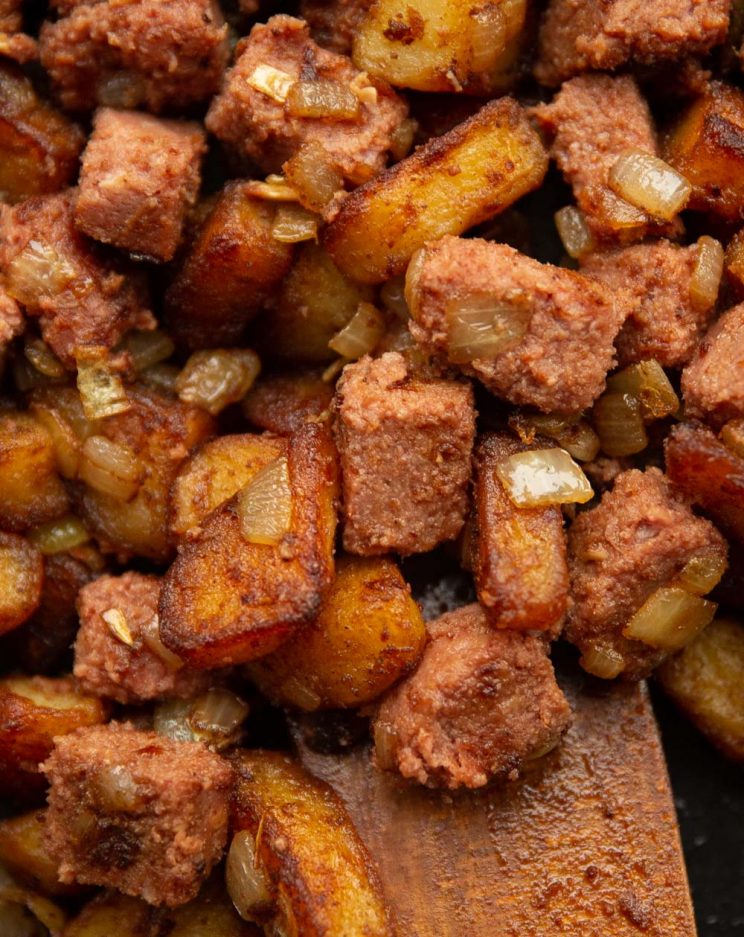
x,y
161,430
230,270
33,711
708,473
448,185
318,872
369,633
442,45
112,913
21,578
705,680
23,850
316,301
31,491
706,145
39,147
281,402
227,600
215,472
518,554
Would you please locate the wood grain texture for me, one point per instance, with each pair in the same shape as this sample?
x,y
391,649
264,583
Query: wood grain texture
x,y
585,844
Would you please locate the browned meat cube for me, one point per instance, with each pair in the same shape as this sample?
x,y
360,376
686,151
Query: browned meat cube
x,y
591,121
137,812
665,322
334,22
82,300
14,44
139,176
405,447
638,539
581,35
532,333
118,653
264,125
480,704
11,320
129,53
713,382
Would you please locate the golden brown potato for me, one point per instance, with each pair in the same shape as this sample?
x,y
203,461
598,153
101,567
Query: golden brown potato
x,y
316,301
368,634
229,599
112,913
31,491
228,273
33,711
23,850
518,554
21,578
442,45
39,147
706,679
295,832
215,472
281,402
448,185
706,145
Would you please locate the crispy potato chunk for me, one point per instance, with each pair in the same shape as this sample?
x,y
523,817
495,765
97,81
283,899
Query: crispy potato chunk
x,y
705,680
518,554
31,491
112,913
230,270
448,185
706,145
39,147
369,633
319,876
23,850
281,402
441,45
215,472
21,578
33,711
226,599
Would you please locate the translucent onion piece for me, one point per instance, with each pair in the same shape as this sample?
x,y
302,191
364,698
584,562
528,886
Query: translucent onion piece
x,y
702,573
333,370
602,661
401,139
151,640
313,176
274,189
216,717
670,618
171,720
706,276
293,224
574,232
650,184
64,440
361,333
541,477
60,535
647,382
487,38
101,389
148,348
117,789
481,327
732,436
386,743
215,378
265,504
571,432
322,97
40,355
118,625
162,376
110,467
38,271
247,884
618,421
393,298
272,82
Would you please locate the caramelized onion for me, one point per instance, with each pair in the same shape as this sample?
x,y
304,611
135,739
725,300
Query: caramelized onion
x,y
386,743
313,176
294,223
273,189
110,467
39,270
60,535
670,618
216,717
41,356
487,38
401,139
574,232
540,477
118,626
273,82
480,326
247,884
393,298
101,389
707,273
213,379
265,504
619,424
148,348
361,334
171,720
702,573
602,661
322,98
151,640
650,184
572,433
647,382
64,440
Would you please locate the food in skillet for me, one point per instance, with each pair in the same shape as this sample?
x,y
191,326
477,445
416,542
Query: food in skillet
x,y
286,299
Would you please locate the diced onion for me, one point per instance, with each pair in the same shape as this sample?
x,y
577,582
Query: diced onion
x,y
265,504
732,436
313,176
101,389
487,38
401,139
214,378
151,640
116,789
40,355
574,232
39,270
602,661
273,189
60,535
163,376
322,98
148,348
298,693
647,382
64,440
171,720
650,184
247,884
540,477
118,625
670,618
273,82
361,334
393,298
293,224
571,432
110,467
702,573
707,273
619,424
386,745
481,327
216,717
333,370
